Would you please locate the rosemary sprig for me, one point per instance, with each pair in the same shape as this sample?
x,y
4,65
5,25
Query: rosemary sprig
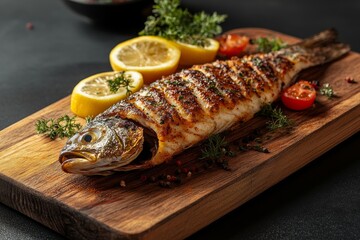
x,y
121,80
327,90
268,45
64,126
277,119
174,23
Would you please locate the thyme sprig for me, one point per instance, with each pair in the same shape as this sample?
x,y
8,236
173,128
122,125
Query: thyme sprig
x,y
327,90
174,23
88,119
122,80
64,126
214,148
276,117
266,45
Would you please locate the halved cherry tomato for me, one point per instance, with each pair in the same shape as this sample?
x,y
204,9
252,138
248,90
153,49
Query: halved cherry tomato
x,y
232,44
299,96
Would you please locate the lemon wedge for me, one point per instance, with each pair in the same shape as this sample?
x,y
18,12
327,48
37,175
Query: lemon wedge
x,y
192,54
152,56
93,95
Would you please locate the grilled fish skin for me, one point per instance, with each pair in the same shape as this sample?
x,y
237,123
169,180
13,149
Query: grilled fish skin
x,y
187,107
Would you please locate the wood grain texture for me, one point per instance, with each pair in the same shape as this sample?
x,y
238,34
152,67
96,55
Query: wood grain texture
x,y
31,180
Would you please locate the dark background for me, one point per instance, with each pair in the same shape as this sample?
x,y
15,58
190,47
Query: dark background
x,y
41,66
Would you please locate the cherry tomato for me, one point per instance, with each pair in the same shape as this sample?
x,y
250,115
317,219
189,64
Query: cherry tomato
x,y
299,96
232,44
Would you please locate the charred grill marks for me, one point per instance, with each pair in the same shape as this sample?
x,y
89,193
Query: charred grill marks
x,y
280,64
221,74
192,93
251,80
205,89
155,102
264,68
177,93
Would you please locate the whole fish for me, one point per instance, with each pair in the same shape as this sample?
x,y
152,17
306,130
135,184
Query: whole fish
x,y
183,109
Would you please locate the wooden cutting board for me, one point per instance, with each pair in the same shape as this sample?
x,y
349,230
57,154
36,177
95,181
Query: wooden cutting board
x,y
81,207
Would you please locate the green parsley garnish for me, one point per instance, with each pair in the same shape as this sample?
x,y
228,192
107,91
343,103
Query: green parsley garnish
x,y
277,119
64,126
174,23
120,81
268,45
327,90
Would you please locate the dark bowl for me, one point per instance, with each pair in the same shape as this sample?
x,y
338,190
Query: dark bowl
x,y
112,10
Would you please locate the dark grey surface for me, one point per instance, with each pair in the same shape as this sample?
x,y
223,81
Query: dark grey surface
x,y
41,66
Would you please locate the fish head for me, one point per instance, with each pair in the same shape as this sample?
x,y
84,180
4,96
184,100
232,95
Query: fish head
x,y
102,146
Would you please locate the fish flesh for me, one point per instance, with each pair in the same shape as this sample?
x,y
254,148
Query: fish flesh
x,y
185,108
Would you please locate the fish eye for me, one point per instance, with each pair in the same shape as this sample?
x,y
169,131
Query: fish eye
x,y
91,136
87,138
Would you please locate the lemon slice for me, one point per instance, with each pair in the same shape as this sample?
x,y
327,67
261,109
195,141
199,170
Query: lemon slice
x,y
92,95
152,56
192,54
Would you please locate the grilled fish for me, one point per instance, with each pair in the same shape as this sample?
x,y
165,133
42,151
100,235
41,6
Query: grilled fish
x,y
181,110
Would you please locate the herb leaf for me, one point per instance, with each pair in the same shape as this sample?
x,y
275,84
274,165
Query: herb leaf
x,y
64,126
268,45
174,23
120,81
88,119
277,119
214,148
327,90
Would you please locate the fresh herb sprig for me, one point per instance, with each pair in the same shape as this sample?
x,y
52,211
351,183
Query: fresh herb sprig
x,y
266,45
64,126
122,80
174,23
327,90
88,119
214,148
277,119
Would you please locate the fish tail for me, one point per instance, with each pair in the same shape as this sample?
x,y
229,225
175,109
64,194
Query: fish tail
x,y
323,47
320,39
